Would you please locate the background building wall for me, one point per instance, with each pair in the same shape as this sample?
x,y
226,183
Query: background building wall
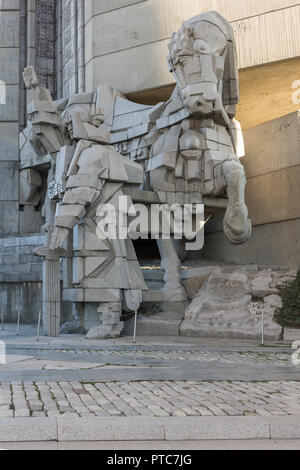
x,y
45,43
26,38
77,44
69,45
126,44
9,115
272,165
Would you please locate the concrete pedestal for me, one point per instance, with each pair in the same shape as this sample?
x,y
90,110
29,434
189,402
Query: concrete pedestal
x,y
51,297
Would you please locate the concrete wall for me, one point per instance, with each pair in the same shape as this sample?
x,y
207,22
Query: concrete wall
x,y
126,46
272,166
132,36
9,115
45,42
21,279
69,45
26,38
124,43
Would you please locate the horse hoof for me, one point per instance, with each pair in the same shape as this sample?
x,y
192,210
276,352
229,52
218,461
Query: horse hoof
x,y
238,237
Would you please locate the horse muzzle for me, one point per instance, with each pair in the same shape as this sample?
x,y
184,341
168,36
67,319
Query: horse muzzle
x,y
198,105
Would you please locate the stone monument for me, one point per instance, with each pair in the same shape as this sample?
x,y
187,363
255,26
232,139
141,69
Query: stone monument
x,y
186,151
191,145
85,171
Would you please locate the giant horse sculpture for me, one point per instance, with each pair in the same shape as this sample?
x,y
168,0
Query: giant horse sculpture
x,y
189,146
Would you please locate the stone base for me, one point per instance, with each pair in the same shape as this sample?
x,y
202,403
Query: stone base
x,y
110,324
152,325
105,331
230,303
242,330
71,328
51,298
291,334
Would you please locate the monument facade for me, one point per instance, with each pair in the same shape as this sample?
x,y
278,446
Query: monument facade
x,y
84,142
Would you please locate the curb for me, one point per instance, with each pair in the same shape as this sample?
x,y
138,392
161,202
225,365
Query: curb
x,y
143,428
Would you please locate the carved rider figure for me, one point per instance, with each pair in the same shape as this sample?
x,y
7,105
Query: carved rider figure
x,y
86,172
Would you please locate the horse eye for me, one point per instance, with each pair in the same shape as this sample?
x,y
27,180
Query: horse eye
x,y
201,46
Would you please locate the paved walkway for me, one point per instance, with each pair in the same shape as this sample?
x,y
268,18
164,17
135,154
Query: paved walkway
x,y
71,389
147,398
157,377
261,444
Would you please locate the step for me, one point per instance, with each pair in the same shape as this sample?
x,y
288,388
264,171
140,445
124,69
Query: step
x,y
156,325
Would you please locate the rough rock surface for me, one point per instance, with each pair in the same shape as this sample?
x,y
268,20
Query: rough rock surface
x,y
274,301
72,327
230,303
260,287
105,331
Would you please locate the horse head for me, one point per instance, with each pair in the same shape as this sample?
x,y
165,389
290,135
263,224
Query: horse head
x,y
203,60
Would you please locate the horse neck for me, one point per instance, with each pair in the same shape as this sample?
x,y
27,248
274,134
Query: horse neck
x,y
175,102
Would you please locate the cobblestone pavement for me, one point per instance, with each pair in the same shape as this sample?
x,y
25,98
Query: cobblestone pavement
x,y
148,398
157,377
226,357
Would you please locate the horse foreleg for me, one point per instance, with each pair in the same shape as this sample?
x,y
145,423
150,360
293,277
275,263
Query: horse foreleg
x,y
237,226
170,264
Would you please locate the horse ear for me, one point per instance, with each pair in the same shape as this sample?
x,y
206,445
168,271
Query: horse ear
x,y
231,89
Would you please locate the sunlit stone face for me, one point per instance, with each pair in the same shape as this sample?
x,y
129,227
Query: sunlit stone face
x,y
197,59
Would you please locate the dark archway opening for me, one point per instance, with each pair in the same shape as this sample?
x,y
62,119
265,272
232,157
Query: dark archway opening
x,y
146,250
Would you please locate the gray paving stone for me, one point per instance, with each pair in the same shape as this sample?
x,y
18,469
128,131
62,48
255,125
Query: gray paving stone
x,y
28,429
286,427
190,428
103,429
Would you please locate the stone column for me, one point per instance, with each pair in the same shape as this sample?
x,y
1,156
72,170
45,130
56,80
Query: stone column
x,y
9,116
51,297
70,50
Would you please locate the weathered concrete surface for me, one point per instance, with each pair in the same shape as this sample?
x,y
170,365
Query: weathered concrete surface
x,y
20,430
161,325
121,47
272,146
10,62
261,444
20,278
9,116
272,166
270,244
117,25
277,195
159,363
9,143
291,334
153,429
